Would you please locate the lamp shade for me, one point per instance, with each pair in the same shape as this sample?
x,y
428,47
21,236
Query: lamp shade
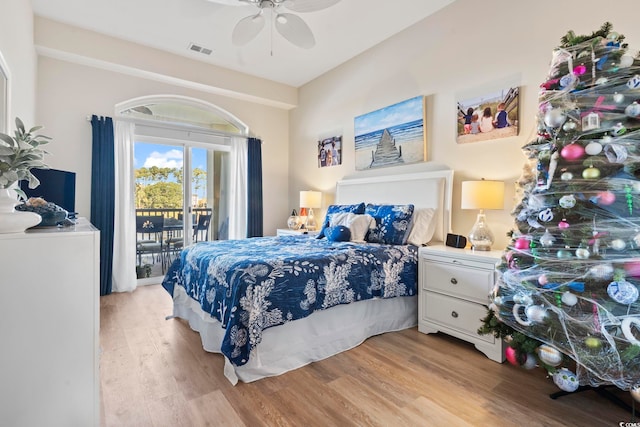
x,y
482,195
310,199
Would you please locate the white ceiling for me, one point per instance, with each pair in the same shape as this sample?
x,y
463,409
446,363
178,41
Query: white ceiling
x,y
341,31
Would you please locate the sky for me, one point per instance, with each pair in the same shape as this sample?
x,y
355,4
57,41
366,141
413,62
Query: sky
x,y
165,156
402,112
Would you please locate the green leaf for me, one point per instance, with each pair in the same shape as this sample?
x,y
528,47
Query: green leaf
x,y
19,124
6,138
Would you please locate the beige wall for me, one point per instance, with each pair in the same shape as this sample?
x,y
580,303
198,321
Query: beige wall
x,y
69,91
465,46
16,47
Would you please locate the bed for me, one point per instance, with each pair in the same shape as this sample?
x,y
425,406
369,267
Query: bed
x,y
268,311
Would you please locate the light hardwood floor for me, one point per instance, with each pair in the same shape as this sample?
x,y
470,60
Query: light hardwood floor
x,y
154,372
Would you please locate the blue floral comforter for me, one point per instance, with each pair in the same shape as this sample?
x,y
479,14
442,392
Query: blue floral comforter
x,y
253,284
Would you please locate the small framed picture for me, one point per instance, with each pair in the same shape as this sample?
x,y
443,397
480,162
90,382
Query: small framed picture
x,y
330,151
491,115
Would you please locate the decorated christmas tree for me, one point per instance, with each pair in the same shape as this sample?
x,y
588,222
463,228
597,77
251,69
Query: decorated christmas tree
x,y
567,294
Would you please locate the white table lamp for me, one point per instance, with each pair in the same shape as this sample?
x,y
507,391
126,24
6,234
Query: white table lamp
x,y
310,200
482,195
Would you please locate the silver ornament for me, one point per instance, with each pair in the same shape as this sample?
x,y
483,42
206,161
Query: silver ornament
x,y
583,253
569,126
554,118
547,239
626,61
566,176
601,271
593,148
618,244
569,299
632,110
618,98
536,313
567,201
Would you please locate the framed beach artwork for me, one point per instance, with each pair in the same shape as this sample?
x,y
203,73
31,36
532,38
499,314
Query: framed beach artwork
x,y
392,136
492,115
329,151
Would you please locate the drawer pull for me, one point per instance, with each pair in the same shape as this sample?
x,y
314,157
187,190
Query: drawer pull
x,y
454,314
454,281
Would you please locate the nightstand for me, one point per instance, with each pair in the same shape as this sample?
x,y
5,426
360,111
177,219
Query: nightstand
x,y
289,232
454,288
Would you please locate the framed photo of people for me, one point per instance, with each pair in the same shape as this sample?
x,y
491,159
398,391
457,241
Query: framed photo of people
x,y
330,151
491,115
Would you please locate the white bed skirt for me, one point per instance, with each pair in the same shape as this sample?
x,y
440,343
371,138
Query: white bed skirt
x,y
295,344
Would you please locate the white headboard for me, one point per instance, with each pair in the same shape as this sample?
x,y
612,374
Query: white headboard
x,y
432,189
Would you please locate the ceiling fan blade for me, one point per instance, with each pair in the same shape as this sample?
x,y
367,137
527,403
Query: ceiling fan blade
x,y
247,29
231,2
294,29
303,6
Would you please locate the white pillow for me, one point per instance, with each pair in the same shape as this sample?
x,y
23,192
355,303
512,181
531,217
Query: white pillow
x,y
357,224
423,226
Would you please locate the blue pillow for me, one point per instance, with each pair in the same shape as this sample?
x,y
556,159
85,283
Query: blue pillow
x,y
339,233
393,223
333,209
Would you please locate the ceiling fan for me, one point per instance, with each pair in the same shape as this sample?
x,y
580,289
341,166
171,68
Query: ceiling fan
x,y
290,26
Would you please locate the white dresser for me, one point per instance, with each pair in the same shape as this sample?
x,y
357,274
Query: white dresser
x,y
49,327
454,293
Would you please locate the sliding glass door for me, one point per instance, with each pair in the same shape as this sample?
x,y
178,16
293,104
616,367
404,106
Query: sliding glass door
x,y
180,198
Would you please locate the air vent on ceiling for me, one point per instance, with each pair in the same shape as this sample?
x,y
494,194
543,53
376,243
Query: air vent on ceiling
x,y
204,50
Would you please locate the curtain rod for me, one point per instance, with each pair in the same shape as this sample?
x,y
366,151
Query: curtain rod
x,y
182,126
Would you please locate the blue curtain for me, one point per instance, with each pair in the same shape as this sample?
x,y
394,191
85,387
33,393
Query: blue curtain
x,y
254,188
103,194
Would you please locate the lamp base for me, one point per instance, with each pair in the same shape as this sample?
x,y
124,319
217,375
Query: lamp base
x,y
480,237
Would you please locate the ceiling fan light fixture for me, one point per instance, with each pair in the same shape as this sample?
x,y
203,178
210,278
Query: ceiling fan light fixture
x,y
290,26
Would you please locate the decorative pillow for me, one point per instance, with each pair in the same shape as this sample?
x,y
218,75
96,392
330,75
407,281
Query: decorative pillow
x,y
392,223
339,233
359,225
423,225
333,209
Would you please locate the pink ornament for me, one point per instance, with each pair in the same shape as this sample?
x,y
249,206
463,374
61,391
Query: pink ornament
x,y
511,355
563,225
606,198
632,269
543,280
572,152
522,243
580,70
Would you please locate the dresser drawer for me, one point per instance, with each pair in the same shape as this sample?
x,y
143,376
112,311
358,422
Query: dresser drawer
x,y
461,281
462,316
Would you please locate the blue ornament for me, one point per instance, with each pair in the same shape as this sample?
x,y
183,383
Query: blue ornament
x,y
623,292
546,215
634,82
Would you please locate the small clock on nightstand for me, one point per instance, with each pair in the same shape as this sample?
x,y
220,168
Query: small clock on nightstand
x,y
289,232
454,288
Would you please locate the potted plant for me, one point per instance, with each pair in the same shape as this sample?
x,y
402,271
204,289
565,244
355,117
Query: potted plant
x,y
143,271
18,155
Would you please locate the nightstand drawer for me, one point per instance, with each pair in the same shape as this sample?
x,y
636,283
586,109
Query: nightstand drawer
x,y
462,316
460,281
